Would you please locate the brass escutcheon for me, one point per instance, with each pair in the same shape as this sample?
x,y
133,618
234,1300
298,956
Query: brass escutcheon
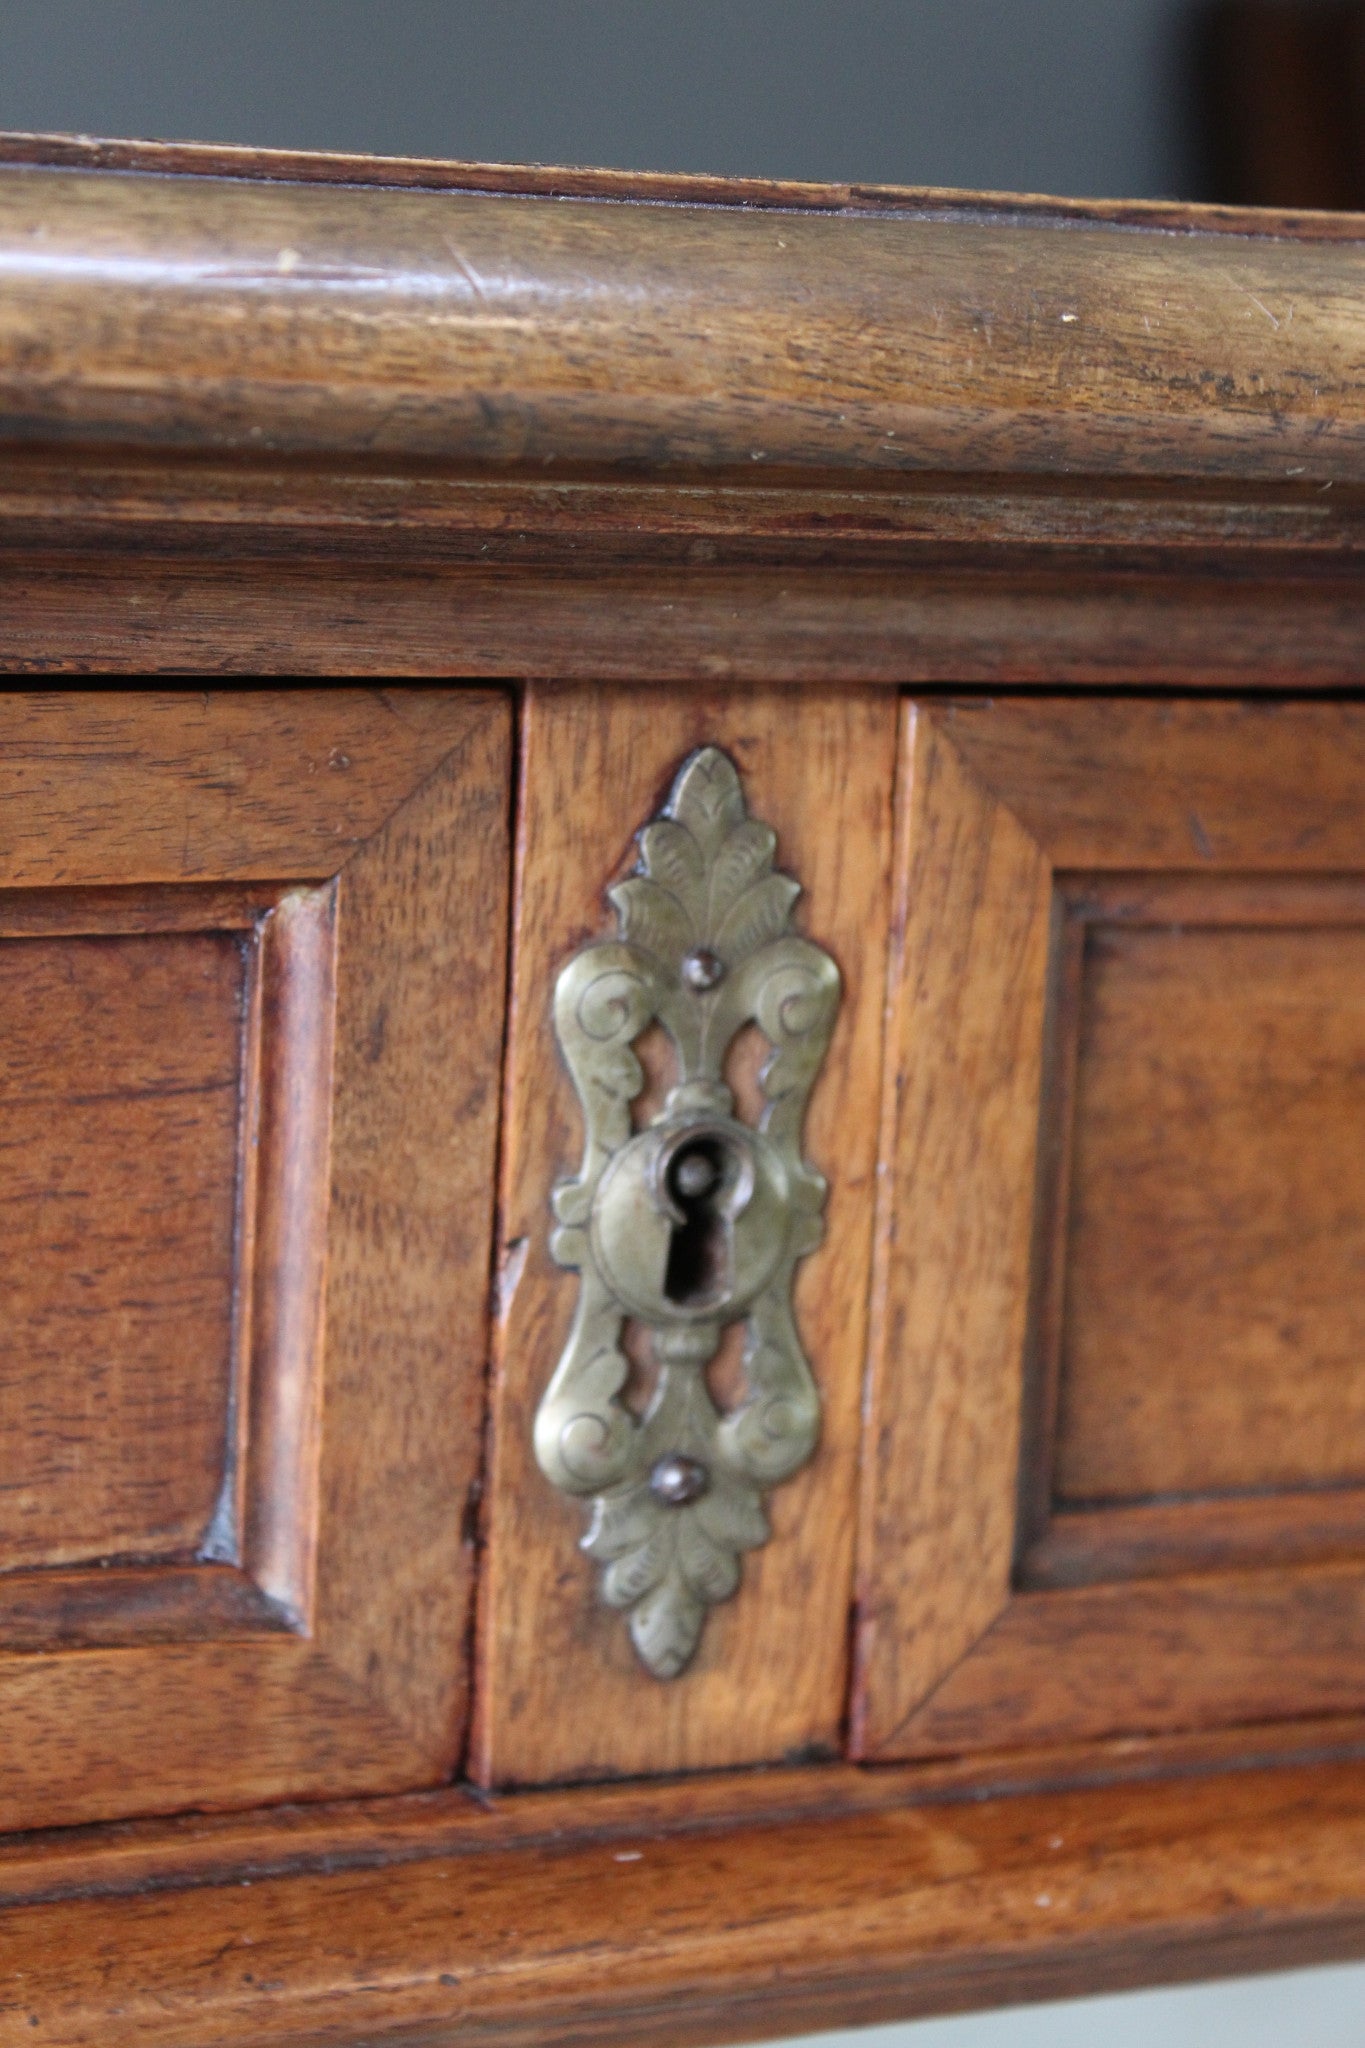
x,y
695,1222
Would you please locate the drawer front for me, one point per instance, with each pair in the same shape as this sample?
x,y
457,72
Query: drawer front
x,y
1085,1320
1116,1478
247,1198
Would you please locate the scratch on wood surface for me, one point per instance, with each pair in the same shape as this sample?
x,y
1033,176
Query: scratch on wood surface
x,y
511,1266
467,272
1259,304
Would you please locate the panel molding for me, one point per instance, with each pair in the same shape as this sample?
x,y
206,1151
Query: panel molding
x,y
251,1572
1083,1544
283,1251
1086,1547
121,1606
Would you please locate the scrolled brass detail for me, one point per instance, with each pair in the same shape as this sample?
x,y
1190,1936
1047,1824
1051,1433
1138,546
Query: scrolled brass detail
x,y
693,1223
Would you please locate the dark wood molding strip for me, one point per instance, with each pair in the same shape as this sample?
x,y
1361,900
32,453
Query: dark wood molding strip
x,y
1101,1545
112,615
660,188
882,1910
114,1605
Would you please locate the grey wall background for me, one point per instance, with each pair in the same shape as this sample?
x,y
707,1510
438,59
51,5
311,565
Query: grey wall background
x,y
1082,97
1068,96
1294,2009
1300,2009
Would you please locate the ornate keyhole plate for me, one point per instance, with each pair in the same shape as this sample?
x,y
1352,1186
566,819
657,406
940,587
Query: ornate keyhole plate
x,y
693,1223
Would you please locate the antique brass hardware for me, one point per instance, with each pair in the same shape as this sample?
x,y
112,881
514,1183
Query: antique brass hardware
x,y
693,1223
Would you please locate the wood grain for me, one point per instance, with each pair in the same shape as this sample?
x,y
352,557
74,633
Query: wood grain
x,y
718,1934
421,973
561,1692
1229,1647
177,786
173,505
1084,1546
1214,1324
1246,788
968,983
120,1089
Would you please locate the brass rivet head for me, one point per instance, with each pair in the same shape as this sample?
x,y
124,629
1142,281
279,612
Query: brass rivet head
x,y
702,969
676,1480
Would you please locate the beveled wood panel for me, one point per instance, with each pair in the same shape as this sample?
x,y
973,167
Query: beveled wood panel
x,y
420,988
1176,1293
561,1691
968,975
245,1568
319,1643
1192,788
120,1106
1229,1647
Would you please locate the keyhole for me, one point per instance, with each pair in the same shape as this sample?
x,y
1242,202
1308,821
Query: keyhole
x,y
700,1185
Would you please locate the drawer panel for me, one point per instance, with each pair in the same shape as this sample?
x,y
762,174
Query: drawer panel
x,y
1114,1480
247,1189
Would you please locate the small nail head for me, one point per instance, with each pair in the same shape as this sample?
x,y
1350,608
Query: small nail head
x,y
702,969
677,1479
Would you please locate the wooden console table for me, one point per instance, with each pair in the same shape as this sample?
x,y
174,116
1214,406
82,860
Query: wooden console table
x,y
989,568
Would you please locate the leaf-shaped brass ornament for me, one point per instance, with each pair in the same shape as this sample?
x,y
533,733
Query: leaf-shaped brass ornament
x,y
693,1223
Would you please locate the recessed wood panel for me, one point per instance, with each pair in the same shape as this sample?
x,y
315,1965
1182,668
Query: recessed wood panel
x,y
1214,1331
120,1106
